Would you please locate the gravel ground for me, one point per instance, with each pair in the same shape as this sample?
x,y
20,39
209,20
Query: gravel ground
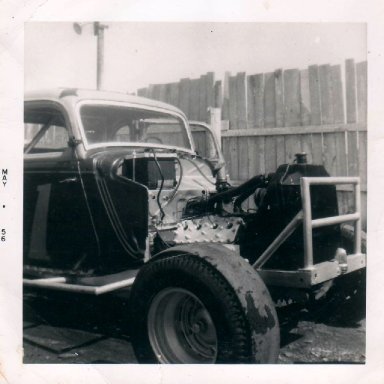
x,y
57,331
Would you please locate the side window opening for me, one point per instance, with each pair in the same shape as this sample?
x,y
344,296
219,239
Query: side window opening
x,y
45,131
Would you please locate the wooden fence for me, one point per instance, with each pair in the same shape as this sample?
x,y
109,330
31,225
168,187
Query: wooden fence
x,y
267,118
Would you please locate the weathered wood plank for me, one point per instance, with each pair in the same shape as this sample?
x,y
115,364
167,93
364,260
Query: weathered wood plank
x,y
337,94
175,100
251,101
168,93
363,158
201,101
270,154
184,87
150,91
256,101
210,91
253,157
218,94
279,98
298,130
163,92
226,153
353,154
233,159
305,101
243,158
241,106
225,105
327,116
306,146
317,148
292,146
361,81
232,103
280,150
292,97
314,93
329,153
350,88
341,154
269,100
194,100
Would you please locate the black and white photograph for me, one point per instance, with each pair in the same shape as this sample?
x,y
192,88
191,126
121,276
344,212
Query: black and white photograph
x,y
192,191
195,206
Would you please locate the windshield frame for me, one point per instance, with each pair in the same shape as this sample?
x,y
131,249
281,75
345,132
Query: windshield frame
x,y
89,146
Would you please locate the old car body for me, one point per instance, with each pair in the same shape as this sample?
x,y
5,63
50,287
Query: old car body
x,y
122,192
101,218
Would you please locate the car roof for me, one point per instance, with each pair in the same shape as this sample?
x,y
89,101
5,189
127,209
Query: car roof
x,y
76,94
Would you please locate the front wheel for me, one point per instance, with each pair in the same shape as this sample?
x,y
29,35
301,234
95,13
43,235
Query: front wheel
x,y
185,310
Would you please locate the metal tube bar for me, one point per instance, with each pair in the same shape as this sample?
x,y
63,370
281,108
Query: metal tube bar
x,y
307,223
332,180
44,283
358,221
284,234
335,220
52,280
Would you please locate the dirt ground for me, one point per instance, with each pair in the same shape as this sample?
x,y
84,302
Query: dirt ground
x,y
58,330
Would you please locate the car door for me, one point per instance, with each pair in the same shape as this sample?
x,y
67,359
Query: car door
x,y
57,231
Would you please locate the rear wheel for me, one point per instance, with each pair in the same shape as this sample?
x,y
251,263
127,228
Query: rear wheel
x,y
185,311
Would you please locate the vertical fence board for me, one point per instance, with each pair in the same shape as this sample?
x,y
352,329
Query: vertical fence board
x,y
150,91
241,104
253,156
279,98
202,99
218,94
194,99
314,93
225,106
292,97
350,87
325,79
233,159
270,153
184,95
306,146
269,100
361,80
251,96
232,103
209,90
280,150
305,102
225,148
317,148
341,154
256,101
363,158
353,151
337,95
175,94
243,158
329,152
292,146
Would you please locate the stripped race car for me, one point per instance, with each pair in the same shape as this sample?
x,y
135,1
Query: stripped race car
x,y
122,194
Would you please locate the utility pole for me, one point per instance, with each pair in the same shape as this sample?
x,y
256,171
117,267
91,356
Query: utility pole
x,y
98,31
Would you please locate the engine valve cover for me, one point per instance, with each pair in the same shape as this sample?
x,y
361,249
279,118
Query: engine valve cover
x,y
209,229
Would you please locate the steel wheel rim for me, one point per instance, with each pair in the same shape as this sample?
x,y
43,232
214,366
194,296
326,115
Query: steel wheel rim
x,y
180,328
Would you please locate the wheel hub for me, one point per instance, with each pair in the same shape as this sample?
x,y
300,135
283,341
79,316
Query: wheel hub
x,y
180,328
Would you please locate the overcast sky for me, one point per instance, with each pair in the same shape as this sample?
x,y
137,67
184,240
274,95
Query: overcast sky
x,y
138,54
